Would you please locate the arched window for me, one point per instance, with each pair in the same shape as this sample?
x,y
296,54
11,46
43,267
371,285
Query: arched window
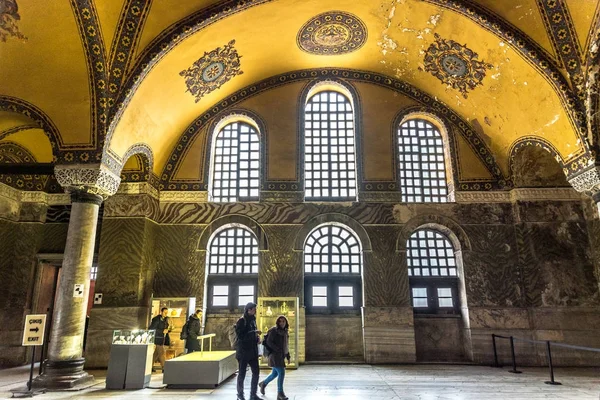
x,y
236,164
432,272
422,165
329,150
332,270
232,262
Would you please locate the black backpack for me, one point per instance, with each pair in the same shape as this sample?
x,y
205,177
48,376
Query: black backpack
x,y
184,332
267,350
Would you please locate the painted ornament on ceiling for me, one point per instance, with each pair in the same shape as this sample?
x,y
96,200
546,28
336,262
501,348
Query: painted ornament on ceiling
x,y
332,33
9,15
455,65
212,70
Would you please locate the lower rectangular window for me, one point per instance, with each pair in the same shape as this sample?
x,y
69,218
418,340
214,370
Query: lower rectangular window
x,y
319,296
445,297
245,295
419,297
220,296
346,296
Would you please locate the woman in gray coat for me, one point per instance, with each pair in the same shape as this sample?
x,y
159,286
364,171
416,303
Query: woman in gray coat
x,y
277,345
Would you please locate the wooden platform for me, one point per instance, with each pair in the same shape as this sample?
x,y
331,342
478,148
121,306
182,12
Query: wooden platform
x,y
200,370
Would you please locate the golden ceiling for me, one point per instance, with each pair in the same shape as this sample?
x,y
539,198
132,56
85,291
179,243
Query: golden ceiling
x,y
99,77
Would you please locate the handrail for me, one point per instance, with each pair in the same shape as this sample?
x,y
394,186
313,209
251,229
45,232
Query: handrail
x,y
207,336
548,353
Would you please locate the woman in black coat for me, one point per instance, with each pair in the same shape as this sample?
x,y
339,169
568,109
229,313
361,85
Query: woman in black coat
x,y
277,343
193,327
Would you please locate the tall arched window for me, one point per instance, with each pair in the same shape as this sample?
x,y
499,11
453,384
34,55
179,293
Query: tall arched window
x,y
236,164
332,270
432,272
422,165
329,148
232,262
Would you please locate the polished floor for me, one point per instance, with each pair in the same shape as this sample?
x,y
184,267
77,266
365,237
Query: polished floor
x,y
352,382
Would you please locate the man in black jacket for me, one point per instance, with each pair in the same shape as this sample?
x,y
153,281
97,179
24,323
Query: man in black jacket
x,y
160,324
247,351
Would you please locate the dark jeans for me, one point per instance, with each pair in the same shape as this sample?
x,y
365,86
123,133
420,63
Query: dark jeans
x,y
242,365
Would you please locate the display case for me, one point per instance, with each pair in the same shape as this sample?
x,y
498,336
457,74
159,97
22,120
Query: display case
x,y
269,308
180,309
136,336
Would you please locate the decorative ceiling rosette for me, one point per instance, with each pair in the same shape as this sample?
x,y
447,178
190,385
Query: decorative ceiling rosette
x,y
212,70
332,33
455,65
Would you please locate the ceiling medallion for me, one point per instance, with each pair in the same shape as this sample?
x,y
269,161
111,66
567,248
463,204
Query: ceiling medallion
x,y
9,14
332,33
212,70
455,65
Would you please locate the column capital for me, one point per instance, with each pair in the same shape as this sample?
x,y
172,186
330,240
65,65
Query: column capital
x,y
587,181
95,179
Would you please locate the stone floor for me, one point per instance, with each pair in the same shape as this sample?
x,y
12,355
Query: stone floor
x,y
350,382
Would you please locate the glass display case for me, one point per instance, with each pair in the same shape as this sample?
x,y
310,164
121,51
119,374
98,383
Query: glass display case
x,y
269,308
137,336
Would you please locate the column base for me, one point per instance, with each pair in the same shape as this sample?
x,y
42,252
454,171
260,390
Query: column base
x,y
62,375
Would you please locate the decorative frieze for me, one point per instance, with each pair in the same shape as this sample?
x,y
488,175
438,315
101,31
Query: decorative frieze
x,y
91,178
138,188
523,194
184,197
282,196
50,199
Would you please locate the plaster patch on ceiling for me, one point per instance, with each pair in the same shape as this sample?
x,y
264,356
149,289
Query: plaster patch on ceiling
x,y
455,65
332,33
9,15
212,70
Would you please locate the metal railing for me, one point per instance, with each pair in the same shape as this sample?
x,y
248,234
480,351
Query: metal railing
x,y
548,353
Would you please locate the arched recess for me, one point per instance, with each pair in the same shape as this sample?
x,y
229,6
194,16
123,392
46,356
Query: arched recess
x,y
351,93
461,332
328,218
427,101
333,279
534,162
219,122
235,219
35,117
450,153
138,162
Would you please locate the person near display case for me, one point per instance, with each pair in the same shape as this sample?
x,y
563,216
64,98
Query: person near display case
x,y
246,351
161,326
276,344
193,331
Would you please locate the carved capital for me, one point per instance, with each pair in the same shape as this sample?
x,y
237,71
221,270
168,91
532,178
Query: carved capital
x,y
587,181
94,179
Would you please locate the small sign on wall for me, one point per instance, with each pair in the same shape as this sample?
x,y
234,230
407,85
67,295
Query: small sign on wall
x,y
78,290
98,298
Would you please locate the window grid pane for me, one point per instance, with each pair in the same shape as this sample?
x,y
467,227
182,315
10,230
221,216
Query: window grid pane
x,y
319,296
421,163
236,164
220,296
329,151
419,297
233,251
332,249
430,254
346,296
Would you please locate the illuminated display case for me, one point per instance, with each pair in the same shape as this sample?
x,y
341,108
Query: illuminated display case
x,y
269,308
137,336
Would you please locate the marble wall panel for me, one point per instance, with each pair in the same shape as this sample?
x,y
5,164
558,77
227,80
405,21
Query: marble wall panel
x,y
385,270
334,337
549,211
389,335
556,271
499,318
439,339
281,273
491,269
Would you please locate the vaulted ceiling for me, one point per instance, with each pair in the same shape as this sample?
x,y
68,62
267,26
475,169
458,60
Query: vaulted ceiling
x,y
84,81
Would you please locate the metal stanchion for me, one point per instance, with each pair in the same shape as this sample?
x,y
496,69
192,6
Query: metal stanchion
x,y
495,351
514,362
549,354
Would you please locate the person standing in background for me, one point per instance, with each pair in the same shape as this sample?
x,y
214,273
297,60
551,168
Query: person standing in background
x,y
160,324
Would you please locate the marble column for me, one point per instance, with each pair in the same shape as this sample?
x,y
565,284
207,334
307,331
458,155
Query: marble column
x,y
64,366
88,186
